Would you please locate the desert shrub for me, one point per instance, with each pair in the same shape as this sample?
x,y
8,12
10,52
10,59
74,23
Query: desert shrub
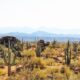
x,y
1,61
29,53
37,63
52,70
33,63
49,52
68,72
76,63
49,62
41,74
18,61
1,72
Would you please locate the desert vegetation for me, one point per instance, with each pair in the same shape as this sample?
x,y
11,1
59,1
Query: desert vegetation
x,y
39,60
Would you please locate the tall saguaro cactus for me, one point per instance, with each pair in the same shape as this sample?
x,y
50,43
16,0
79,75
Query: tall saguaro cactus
x,y
68,54
8,58
75,49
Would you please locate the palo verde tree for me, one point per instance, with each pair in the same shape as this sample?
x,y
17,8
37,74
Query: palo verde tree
x,y
68,53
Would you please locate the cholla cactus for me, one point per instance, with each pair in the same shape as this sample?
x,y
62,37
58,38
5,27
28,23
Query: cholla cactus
x,y
68,54
8,59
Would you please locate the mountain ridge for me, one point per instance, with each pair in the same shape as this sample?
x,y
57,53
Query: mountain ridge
x,y
42,35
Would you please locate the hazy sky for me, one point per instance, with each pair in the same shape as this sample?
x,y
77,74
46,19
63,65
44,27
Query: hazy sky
x,y
55,16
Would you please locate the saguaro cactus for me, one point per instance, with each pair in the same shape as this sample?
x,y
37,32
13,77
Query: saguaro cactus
x,y
38,51
54,44
8,58
68,54
28,46
75,49
22,44
41,45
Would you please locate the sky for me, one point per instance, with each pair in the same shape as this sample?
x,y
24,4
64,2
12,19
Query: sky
x,y
53,16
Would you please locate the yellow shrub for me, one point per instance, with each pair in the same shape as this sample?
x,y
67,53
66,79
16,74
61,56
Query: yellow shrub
x,y
1,72
50,52
29,53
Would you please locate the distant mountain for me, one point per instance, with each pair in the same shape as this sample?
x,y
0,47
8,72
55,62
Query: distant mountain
x,y
43,35
15,34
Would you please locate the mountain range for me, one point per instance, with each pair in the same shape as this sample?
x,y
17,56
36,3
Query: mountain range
x,y
43,35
